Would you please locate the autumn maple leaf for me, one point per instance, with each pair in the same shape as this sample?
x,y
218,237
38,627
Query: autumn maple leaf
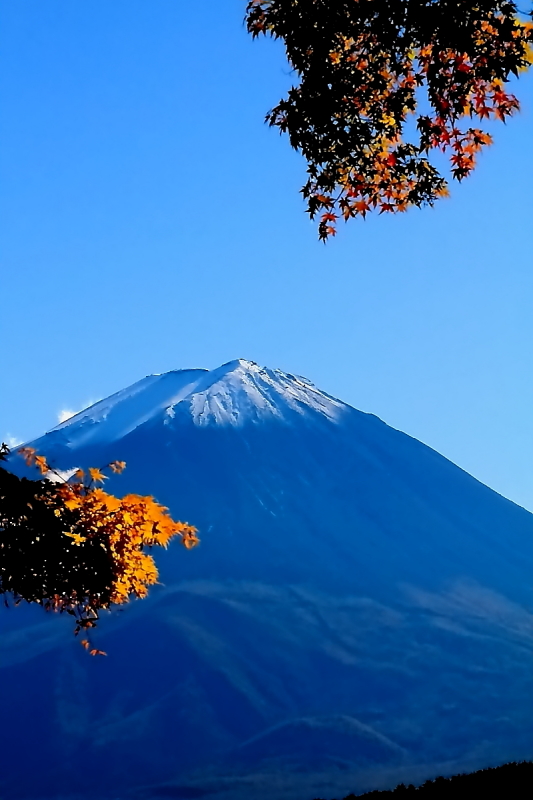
x,y
41,464
118,466
97,475
28,453
361,206
359,78
77,538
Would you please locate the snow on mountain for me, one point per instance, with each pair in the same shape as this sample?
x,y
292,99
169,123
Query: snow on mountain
x,y
358,613
234,394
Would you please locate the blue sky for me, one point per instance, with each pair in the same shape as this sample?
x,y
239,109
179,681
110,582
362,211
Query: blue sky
x,y
149,221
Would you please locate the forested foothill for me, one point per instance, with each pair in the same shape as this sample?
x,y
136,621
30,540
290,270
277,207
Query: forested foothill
x,y
513,781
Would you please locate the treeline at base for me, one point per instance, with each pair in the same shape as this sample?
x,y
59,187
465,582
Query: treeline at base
x,y
508,782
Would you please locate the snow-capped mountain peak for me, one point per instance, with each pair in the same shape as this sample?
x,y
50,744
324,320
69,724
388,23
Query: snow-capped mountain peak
x,y
236,393
356,600
242,391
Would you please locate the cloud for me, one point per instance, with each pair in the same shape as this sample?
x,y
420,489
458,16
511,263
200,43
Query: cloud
x,y
66,413
12,441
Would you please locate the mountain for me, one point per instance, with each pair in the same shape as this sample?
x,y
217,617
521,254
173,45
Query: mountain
x,y
358,612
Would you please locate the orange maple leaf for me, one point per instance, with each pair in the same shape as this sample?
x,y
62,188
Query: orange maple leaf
x,y
97,475
28,453
41,464
118,466
77,538
361,206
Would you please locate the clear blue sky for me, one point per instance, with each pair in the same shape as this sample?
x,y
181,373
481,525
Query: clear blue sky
x,y
150,221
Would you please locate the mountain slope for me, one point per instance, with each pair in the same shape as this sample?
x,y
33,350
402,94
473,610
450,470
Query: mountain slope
x,y
353,589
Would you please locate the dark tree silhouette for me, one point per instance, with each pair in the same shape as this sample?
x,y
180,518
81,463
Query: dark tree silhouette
x,y
72,547
365,67
512,780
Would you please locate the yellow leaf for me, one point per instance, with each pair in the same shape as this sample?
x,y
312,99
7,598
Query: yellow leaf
x,y
72,503
76,537
388,119
97,475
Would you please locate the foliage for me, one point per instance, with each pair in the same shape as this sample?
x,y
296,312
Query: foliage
x,y
368,66
72,547
513,779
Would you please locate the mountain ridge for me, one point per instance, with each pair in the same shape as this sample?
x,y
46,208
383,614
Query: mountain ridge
x,y
349,579
233,393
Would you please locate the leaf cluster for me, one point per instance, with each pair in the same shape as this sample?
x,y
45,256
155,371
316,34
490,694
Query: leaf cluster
x,y
72,547
363,66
